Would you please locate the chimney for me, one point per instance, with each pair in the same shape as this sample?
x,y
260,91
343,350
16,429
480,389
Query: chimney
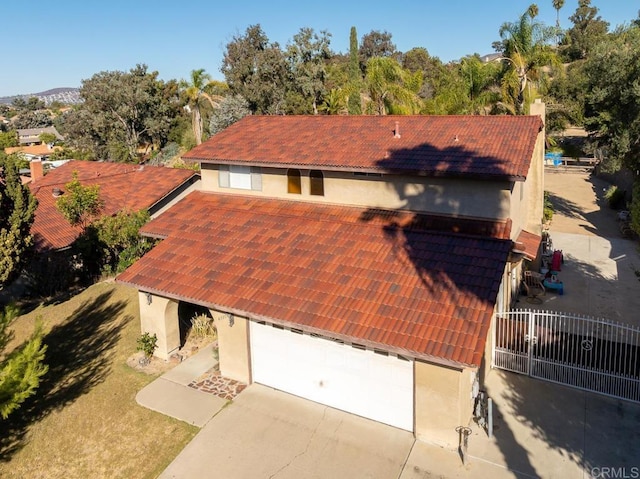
x,y
36,169
396,132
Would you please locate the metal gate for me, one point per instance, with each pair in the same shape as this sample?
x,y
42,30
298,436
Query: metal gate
x,y
586,353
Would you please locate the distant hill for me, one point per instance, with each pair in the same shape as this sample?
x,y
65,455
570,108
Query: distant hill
x,y
68,96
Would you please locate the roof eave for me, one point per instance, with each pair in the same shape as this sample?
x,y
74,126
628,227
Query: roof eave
x,y
352,169
415,355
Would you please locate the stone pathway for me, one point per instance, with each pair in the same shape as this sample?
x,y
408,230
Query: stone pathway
x,y
212,382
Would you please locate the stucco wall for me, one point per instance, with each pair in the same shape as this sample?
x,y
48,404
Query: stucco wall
x,y
528,198
233,346
442,402
485,199
160,317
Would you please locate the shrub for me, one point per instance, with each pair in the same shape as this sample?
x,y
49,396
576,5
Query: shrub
x,y
615,197
147,343
202,326
635,208
548,208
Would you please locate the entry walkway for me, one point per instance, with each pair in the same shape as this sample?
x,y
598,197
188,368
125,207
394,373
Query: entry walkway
x,y
170,394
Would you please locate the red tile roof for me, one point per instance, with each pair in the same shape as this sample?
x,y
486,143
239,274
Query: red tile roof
x,y
528,244
122,186
41,150
499,147
348,273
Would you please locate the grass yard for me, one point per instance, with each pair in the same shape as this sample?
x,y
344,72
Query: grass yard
x,y
84,420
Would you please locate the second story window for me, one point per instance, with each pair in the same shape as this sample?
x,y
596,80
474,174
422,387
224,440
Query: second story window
x,y
294,184
316,179
240,177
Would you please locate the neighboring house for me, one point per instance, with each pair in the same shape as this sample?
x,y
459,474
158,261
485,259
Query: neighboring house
x,y
31,152
122,186
31,136
356,261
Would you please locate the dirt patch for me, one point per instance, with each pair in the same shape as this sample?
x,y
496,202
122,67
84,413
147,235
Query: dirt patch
x,y
579,204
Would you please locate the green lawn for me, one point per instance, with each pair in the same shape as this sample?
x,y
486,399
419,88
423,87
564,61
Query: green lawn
x,y
84,420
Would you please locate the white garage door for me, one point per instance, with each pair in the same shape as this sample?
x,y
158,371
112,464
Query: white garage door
x,y
361,382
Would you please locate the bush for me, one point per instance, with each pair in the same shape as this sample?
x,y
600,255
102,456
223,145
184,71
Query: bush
x,y
635,208
202,326
615,197
548,208
147,343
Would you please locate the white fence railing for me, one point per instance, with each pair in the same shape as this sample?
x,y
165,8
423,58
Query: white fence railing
x,y
583,352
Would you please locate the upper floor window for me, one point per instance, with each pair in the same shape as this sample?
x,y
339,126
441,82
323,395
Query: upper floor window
x,y
316,179
240,177
294,184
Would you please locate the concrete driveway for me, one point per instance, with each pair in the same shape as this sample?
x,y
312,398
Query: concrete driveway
x,y
267,433
601,272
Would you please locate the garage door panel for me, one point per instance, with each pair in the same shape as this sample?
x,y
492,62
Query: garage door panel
x,y
362,382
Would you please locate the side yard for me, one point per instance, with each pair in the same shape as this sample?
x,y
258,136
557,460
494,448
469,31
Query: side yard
x,y
84,420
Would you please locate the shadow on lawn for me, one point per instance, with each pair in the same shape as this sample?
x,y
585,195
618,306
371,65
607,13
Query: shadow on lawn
x,y
78,359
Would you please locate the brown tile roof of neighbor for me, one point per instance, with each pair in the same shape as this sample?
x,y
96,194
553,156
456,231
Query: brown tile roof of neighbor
x,y
492,147
528,244
122,186
342,272
38,150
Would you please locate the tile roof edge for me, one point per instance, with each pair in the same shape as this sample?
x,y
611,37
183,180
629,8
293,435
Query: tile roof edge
x,y
364,169
413,355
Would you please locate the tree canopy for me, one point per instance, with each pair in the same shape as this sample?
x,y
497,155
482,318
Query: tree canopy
x,y
80,204
612,110
121,113
526,51
17,209
20,369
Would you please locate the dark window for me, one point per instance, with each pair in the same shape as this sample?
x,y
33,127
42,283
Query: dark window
x,y
293,182
317,182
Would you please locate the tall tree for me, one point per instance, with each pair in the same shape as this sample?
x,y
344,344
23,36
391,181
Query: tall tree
x,y
17,209
483,80
587,30
418,59
558,4
391,89
231,109
526,51
612,113
355,78
122,112
195,92
307,55
22,368
375,44
257,70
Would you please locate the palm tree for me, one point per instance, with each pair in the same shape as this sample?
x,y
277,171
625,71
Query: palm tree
x,y
391,88
558,4
195,93
526,51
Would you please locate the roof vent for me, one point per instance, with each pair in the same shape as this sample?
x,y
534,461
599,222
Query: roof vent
x,y
396,132
56,192
456,139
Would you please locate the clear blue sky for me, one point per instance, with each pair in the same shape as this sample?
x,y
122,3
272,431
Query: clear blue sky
x,y
58,44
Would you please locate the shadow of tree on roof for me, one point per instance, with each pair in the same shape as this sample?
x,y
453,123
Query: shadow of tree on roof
x,y
454,219
464,254
78,359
